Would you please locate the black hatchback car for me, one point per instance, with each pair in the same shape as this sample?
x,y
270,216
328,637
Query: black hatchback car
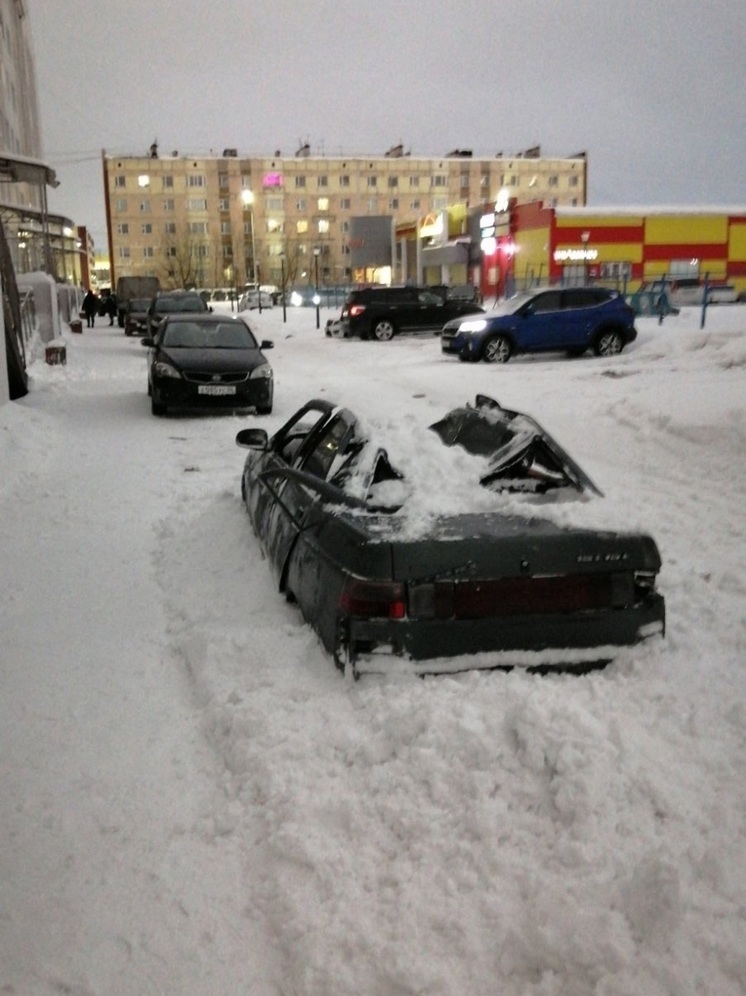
x,y
387,590
174,303
382,312
208,360
572,319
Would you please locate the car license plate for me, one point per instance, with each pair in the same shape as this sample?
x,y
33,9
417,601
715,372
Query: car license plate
x,y
216,389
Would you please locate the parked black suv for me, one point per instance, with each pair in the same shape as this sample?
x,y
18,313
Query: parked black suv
x,y
381,312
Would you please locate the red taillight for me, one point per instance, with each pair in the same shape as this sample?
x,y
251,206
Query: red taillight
x,y
373,599
356,309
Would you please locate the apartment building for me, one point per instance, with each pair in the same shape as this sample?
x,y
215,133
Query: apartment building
x,y
225,220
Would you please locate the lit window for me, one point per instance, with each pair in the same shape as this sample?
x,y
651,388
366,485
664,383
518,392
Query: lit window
x,y
143,180
323,203
301,227
323,226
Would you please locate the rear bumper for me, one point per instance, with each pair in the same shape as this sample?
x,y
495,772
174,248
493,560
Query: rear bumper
x,y
516,640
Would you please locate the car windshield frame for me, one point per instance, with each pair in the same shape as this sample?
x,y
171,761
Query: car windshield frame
x,y
179,305
208,335
513,304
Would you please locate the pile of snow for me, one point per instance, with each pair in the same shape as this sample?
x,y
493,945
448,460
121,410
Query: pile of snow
x,y
196,801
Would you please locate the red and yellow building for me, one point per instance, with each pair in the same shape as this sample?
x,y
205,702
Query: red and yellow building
x,y
624,246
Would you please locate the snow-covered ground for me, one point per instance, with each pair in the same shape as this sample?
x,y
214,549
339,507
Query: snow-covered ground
x,y
194,801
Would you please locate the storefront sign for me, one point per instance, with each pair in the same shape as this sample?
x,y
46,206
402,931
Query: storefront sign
x,y
432,226
574,255
502,203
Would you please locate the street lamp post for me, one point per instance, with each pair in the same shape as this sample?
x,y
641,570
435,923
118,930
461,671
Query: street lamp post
x,y
247,196
282,288
316,297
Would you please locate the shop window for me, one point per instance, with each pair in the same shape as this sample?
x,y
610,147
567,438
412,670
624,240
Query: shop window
x,y
682,268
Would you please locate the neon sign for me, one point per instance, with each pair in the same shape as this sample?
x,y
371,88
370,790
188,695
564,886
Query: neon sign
x,y
574,255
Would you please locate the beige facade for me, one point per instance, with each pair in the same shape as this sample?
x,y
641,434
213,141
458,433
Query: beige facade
x,y
186,219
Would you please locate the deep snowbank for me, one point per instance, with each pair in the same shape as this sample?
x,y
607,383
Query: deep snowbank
x,y
224,812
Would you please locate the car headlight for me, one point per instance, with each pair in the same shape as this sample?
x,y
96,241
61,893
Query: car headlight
x,y
163,369
473,325
264,372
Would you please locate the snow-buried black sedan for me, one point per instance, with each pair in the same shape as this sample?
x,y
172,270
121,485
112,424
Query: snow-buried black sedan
x,y
401,561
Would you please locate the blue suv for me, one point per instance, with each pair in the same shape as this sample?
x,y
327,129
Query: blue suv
x,y
572,319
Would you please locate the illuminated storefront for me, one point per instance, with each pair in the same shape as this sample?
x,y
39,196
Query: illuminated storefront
x,y
626,247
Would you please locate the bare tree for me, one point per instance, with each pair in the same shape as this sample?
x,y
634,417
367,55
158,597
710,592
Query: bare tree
x,y
183,259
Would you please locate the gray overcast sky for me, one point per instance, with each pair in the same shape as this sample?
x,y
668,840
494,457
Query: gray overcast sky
x,y
654,90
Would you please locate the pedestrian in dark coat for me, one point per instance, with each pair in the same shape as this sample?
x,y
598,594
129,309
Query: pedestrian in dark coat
x,y
109,306
90,308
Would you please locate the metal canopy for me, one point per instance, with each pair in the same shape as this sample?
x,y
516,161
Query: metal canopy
x,y
22,169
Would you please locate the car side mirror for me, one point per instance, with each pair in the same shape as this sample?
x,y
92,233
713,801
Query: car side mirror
x,y
266,344
147,341
253,439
